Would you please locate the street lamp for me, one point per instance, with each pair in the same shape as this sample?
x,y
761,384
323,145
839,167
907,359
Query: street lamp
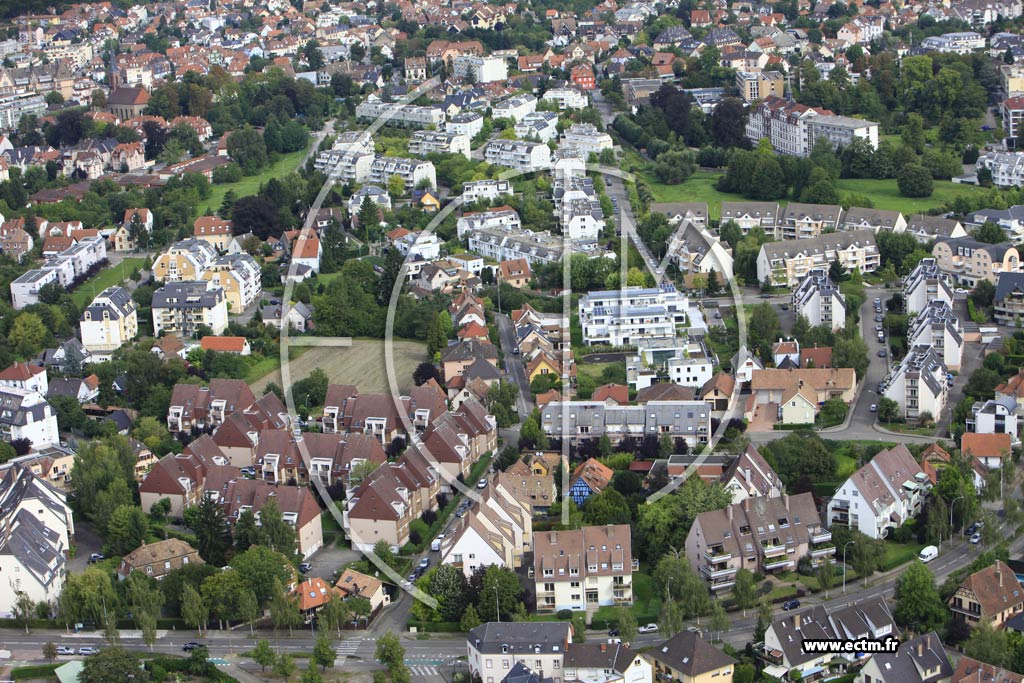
x,y
497,607
844,563
952,505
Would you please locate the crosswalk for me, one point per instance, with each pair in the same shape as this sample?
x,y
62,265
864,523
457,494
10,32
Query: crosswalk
x,y
348,647
423,670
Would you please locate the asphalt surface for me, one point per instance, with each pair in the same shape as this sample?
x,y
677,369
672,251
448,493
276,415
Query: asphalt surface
x,y
514,368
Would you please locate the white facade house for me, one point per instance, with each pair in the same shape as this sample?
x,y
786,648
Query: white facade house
x,y
750,476
492,219
581,215
65,268
744,364
793,128
961,42
1007,167
567,98
586,138
424,142
926,284
514,108
25,288
818,299
881,495
109,322
468,123
374,193
520,155
27,415
584,568
475,190
495,648
480,69
625,316
693,249
38,528
184,307
397,114
918,383
412,171
939,327
682,361
420,246
540,125
612,662
995,416
345,165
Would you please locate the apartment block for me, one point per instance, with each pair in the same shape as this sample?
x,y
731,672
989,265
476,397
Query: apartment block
x,y
475,190
583,569
579,420
412,171
803,221
918,383
967,261
939,327
109,322
818,299
480,69
184,260
519,155
785,263
926,284
424,142
622,317
395,114
187,306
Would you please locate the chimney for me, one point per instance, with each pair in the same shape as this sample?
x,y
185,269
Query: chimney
x,y
604,647
920,648
728,512
999,576
796,621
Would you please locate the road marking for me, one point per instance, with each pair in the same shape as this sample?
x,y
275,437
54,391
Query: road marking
x,y
348,647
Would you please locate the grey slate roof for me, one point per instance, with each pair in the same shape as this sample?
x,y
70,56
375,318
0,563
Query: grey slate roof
x,y
688,653
520,637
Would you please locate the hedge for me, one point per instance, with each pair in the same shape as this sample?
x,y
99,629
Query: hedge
x,y
24,673
179,665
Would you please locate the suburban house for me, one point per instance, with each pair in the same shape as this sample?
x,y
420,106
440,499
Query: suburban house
x,y
803,221
312,595
990,450
918,384
783,640
882,495
27,415
494,648
611,662
992,594
157,560
927,284
25,377
857,218
109,322
761,534
938,326
750,215
588,479
688,658
797,393
818,299
921,660
995,416
583,569
516,272
356,584
750,476
197,407
34,546
238,346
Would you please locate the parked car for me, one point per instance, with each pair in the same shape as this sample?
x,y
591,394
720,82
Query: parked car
x,y
88,650
482,484
412,577
96,557
928,553
874,407
191,645
878,302
613,632
976,538
648,628
718,316
881,353
879,318
424,563
878,329
515,351
790,605
65,650
784,307
305,567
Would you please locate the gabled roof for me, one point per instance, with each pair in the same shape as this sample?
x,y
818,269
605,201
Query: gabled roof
x,y
985,445
996,589
689,654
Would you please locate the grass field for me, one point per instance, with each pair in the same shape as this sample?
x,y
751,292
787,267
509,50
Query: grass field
x,y
700,187
362,364
285,164
107,277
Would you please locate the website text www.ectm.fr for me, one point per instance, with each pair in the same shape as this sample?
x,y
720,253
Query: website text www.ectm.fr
x,y
867,646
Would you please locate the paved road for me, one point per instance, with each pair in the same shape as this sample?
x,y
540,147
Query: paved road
x,y
513,364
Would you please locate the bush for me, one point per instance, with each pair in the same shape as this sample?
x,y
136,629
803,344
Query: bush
x,y
564,614
24,673
914,180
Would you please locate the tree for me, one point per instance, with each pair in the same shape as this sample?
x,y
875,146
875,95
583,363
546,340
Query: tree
x,y
390,651
674,166
764,324
826,575
470,619
989,645
284,666
213,535
767,180
112,663
222,594
247,148
437,340
23,605
918,604
990,233
425,372
396,186
264,572
334,614
49,651
28,335
311,675
912,133
193,610
745,590
864,555
914,180
448,585
888,410
764,619
247,533
263,654
607,507
729,124
503,583
670,619
324,653
313,54
719,619
276,533
127,529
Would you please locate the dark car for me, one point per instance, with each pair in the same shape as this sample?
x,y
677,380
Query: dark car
x,y
784,307
613,632
305,567
881,353
96,557
879,318
790,604
191,645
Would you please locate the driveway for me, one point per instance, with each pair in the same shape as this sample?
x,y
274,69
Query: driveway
x,y
765,417
87,541
331,559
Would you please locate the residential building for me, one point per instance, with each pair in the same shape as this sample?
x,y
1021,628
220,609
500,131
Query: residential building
x,y
345,165
921,660
1008,302
1012,110
927,228
468,123
686,362
25,288
235,345
841,131
298,507
186,307
750,476
918,384
306,252
586,138
688,420
969,670
1011,220
1007,168
611,662
519,155
356,584
515,272
514,108
494,648
756,84
764,535
749,215
567,98
773,385
688,658
409,115
540,125
109,322
819,300
17,105
480,69
589,478
197,407
784,639
475,190
239,276
25,414
496,531
802,221
583,569
297,315
677,212
412,171
882,495
793,128
695,250
424,142
961,43
624,316
993,594
990,450
26,377
968,261
312,595
38,529
926,283
939,327
785,263
215,230
157,560
497,218
995,416
184,260
857,218
378,195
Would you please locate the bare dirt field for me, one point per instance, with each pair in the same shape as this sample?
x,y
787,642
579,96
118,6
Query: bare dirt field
x,y
362,364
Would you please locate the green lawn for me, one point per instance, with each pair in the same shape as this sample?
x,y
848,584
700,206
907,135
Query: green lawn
x,y
593,370
285,164
700,187
895,554
107,277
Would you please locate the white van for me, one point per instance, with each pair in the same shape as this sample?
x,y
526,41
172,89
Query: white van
x,y
435,545
928,553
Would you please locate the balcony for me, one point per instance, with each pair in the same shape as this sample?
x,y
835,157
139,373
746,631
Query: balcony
x,y
717,573
716,556
721,585
821,536
822,552
773,550
778,564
